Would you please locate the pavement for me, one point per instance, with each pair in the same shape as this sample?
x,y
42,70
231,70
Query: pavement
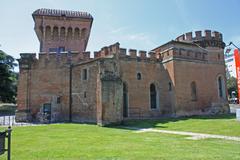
x,y
233,107
192,135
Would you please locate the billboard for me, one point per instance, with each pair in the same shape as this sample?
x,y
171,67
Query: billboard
x,y
237,62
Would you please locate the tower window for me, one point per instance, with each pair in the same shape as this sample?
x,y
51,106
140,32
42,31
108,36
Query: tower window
x,y
83,33
76,33
139,76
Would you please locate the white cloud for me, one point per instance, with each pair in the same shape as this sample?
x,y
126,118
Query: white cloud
x,y
126,36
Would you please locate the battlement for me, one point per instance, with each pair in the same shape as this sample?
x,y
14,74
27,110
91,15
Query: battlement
x,y
208,35
62,58
209,39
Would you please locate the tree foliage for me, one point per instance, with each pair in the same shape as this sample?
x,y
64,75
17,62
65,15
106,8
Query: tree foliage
x,y
8,78
232,85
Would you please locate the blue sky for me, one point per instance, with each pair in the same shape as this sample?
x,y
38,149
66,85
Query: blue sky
x,y
138,24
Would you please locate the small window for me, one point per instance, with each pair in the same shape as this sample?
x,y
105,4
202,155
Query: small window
x,y
85,94
139,76
169,86
219,56
194,91
84,74
58,100
220,88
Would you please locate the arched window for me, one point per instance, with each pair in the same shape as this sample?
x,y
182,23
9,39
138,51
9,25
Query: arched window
x,y
125,100
193,91
221,87
139,76
153,97
62,33
55,33
69,33
83,33
48,33
76,33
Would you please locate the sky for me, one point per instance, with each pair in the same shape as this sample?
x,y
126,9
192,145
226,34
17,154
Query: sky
x,y
136,24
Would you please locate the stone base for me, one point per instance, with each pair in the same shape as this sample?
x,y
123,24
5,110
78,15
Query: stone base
x,y
23,116
219,108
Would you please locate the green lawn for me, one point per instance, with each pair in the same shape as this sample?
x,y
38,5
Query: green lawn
x,y
222,124
86,142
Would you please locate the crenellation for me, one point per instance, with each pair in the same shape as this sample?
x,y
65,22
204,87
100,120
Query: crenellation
x,y
97,54
152,55
142,54
104,51
189,36
215,34
114,48
210,39
132,53
220,37
181,38
86,55
123,52
198,34
208,34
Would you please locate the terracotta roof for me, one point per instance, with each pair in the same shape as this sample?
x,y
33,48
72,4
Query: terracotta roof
x,y
58,13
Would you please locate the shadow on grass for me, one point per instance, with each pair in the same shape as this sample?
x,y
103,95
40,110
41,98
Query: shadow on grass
x,y
159,123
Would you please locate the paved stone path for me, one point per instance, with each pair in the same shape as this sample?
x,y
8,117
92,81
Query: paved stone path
x,y
193,136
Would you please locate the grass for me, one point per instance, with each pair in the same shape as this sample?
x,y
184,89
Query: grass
x,y
87,142
221,124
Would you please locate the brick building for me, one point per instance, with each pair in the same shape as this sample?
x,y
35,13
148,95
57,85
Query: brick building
x,y
185,76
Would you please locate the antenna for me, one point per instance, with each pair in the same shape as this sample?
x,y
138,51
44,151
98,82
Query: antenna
x,y
231,43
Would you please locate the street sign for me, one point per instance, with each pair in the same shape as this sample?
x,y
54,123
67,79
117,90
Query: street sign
x,y
2,142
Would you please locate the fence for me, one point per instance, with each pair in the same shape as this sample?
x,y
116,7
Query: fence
x,y
7,120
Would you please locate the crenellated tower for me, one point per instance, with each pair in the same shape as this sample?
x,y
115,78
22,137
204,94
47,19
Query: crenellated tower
x,y
209,39
61,30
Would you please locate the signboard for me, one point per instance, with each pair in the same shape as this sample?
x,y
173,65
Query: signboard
x,y
237,62
2,142
3,135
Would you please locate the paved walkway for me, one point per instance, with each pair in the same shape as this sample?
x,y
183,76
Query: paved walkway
x,y
194,136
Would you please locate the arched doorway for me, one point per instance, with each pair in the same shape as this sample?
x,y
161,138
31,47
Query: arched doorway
x,y
125,100
193,91
153,96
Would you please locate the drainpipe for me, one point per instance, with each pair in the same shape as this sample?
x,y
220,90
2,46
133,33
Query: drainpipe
x,y
70,92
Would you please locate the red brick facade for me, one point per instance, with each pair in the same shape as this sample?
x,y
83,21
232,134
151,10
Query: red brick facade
x,y
182,77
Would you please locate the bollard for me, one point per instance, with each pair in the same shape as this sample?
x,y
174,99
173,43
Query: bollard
x,y
9,142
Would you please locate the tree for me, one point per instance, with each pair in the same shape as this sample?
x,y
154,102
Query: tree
x,y
232,85
8,78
